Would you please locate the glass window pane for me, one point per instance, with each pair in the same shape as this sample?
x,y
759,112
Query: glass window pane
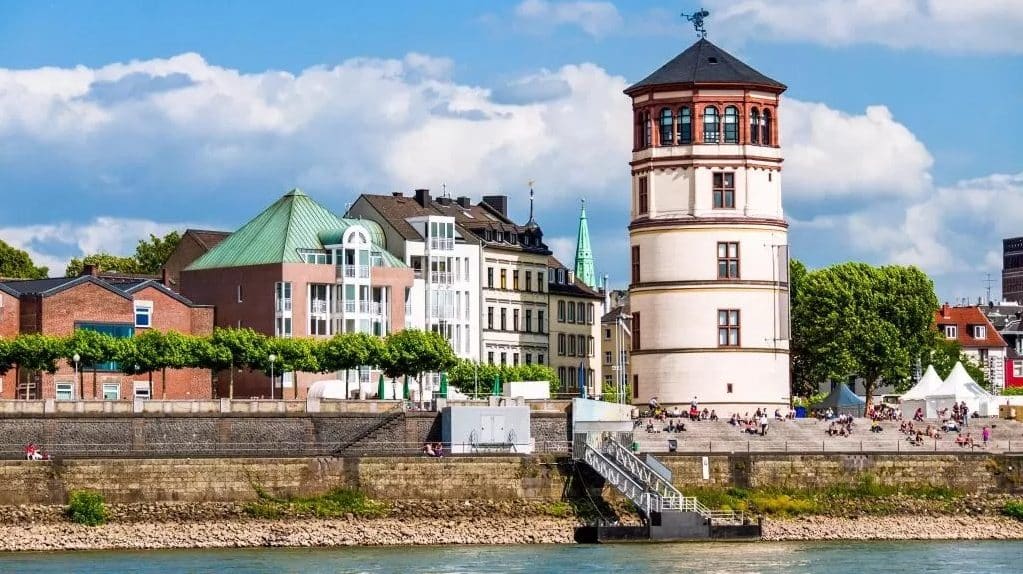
x,y
722,336
722,317
733,249
722,250
733,317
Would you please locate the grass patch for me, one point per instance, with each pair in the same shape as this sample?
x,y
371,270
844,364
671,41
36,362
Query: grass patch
x,y
1013,509
559,509
86,507
337,503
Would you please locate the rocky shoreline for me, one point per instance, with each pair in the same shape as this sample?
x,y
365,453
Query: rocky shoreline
x,y
411,523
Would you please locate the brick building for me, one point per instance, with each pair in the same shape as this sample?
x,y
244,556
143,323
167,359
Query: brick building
x,y
116,305
194,244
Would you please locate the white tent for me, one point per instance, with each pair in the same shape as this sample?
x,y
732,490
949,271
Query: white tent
x,y
916,397
959,387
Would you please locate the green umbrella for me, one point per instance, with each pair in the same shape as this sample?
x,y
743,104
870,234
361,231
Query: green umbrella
x,y
404,390
443,385
496,389
381,389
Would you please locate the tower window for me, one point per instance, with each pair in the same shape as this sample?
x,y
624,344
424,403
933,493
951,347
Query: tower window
x,y
635,331
728,260
765,125
711,125
724,190
754,126
635,263
666,128
643,196
685,126
728,327
731,124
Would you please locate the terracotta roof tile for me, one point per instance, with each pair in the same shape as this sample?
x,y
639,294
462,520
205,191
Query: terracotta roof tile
x,y
964,318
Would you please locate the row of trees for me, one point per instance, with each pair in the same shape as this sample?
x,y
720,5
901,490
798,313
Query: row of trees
x,y
405,353
873,322
472,378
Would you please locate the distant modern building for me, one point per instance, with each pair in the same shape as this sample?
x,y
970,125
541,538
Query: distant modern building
x,y
298,270
978,338
120,306
444,257
575,328
1007,319
1012,269
709,240
194,244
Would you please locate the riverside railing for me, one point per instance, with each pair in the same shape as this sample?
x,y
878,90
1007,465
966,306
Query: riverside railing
x,y
659,445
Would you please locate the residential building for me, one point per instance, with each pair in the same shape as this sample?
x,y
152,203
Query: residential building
x,y
194,244
298,270
444,257
978,338
574,330
121,306
1012,269
1007,318
706,186
615,349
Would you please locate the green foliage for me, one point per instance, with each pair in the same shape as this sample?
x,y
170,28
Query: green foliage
x,y
465,375
557,509
91,347
144,353
1013,509
6,358
103,262
86,507
17,264
1009,391
348,351
853,318
152,253
946,352
609,393
36,352
237,349
290,354
809,400
335,504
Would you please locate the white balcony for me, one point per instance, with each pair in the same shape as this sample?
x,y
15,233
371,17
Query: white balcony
x,y
284,305
319,307
364,271
442,243
441,277
370,307
442,311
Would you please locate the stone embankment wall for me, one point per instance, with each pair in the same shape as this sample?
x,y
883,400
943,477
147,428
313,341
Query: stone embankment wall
x,y
968,472
237,479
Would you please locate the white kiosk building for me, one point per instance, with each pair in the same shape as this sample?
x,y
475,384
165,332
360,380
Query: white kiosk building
x,y
709,242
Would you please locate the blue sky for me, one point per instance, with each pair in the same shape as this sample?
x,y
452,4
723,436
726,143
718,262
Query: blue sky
x,y
901,126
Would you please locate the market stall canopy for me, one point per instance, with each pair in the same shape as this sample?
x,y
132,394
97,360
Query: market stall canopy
x,y
842,401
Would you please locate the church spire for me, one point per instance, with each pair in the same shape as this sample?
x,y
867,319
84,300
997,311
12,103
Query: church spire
x,y
583,254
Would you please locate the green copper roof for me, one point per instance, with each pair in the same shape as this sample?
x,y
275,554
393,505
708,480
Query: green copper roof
x,y
334,236
583,254
293,222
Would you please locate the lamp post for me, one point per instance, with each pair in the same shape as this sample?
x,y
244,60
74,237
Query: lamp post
x,y
272,358
81,390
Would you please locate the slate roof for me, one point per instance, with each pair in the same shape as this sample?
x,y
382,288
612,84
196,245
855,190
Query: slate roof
x,y
575,289
293,222
123,286
705,63
208,238
965,317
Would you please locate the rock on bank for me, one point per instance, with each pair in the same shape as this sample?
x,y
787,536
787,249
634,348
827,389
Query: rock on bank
x,y
894,528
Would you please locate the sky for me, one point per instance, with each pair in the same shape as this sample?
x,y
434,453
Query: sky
x,y
901,125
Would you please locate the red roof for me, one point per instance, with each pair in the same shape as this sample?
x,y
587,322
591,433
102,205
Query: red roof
x,y
965,319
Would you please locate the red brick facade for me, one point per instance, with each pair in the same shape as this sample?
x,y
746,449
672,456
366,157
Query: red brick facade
x,y
9,313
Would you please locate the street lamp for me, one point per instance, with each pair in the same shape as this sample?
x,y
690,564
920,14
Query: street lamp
x,y
77,358
273,358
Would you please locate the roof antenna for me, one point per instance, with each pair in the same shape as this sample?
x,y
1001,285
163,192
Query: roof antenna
x,y
444,188
697,19
531,182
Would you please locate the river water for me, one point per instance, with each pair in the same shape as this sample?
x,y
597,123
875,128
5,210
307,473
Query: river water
x,y
731,558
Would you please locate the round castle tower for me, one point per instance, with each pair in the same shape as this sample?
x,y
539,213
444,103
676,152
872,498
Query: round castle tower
x,y
709,241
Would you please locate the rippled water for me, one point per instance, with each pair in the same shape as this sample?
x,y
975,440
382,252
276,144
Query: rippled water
x,y
730,558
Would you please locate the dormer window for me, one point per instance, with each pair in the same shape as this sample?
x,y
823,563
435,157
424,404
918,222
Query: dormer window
x,y
950,331
980,332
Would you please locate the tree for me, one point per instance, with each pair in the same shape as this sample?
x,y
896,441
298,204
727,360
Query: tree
x,y
17,264
347,351
289,355
245,348
151,254
206,355
6,358
34,352
853,318
944,355
469,376
803,383
144,353
103,262
92,348
414,352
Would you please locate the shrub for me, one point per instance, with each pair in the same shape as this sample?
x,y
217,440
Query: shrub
x,y
558,509
86,507
1012,391
1013,509
782,505
336,503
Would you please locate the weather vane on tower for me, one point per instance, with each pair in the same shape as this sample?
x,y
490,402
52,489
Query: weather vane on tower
x,y
697,19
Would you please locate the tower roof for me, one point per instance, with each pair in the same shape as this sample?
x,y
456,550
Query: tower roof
x,y
583,254
705,63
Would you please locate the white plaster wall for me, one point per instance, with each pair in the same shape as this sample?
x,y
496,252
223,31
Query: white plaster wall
x,y
687,191
689,253
758,379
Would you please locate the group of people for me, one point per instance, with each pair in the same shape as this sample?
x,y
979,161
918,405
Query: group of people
x,y
433,449
32,452
883,412
694,413
842,425
915,435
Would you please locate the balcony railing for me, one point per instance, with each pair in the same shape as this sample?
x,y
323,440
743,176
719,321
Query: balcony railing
x,y
283,305
371,307
349,306
442,311
441,277
442,243
316,306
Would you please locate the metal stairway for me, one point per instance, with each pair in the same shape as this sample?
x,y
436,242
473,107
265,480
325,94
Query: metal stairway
x,y
652,493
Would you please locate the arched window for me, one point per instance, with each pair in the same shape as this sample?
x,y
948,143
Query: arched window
x,y
711,125
666,130
731,124
765,125
685,126
754,126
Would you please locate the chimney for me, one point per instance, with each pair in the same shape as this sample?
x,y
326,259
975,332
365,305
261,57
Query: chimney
x,y
944,311
464,201
165,277
423,197
90,269
498,202
396,194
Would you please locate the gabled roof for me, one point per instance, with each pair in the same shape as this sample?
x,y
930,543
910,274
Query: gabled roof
x,y
54,285
293,222
136,287
576,288
207,238
965,317
705,63
8,290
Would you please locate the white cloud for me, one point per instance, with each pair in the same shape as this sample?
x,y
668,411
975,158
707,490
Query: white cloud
x,y
563,248
595,18
117,236
829,153
942,25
